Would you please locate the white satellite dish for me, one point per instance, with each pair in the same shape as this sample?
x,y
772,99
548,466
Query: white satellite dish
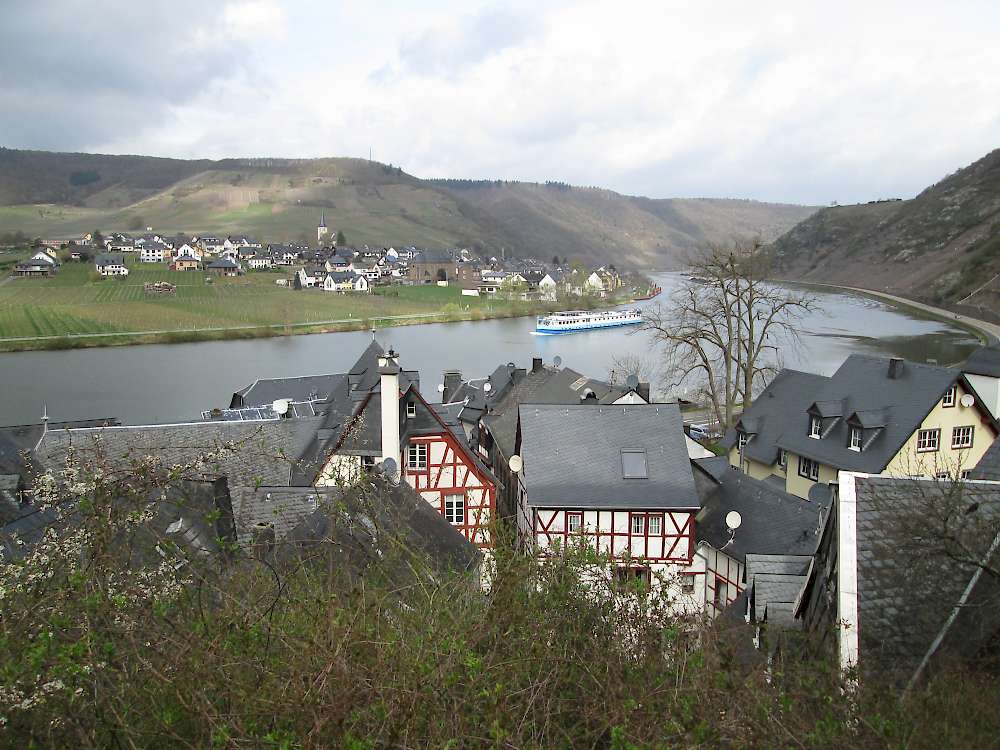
x,y
968,400
440,387
733,520
487,387
389,469
280,406
516,463
557,361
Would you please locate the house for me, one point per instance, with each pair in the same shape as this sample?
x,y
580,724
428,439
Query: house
x,y
120,243
211,244
769,525
187,250
224,266
339,264
110,264
884,597
39,264
339,281
152,251
185,263
550,284
260,261
618,480
982,370
872,415
432,266
594,284
284,255
310,276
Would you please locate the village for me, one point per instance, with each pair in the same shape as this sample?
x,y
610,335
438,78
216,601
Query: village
x,y
778,527
329,265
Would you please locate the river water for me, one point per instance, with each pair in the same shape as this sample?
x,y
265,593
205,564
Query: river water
x,y
175,382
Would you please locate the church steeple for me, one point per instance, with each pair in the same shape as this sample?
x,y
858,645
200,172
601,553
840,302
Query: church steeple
x,y
321,229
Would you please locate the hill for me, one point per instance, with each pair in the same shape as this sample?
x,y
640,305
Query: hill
x,y
943,245
61,195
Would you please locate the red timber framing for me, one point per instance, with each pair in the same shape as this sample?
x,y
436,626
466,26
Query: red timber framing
x,y
610,532
722,569
450,472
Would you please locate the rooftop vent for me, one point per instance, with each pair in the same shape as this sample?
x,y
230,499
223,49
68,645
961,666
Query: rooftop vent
x,y
895,368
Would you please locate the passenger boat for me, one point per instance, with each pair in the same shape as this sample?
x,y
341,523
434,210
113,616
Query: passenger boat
x,y
573,321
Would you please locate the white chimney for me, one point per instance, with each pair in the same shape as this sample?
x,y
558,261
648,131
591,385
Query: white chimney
x,y
388,370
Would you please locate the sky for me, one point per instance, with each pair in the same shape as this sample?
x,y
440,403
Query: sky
x,y
800,102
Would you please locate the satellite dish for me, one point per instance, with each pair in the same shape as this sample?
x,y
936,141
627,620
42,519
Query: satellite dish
x,y
440,387
632,381
389,468
516,464
280,406
733,520
557,361
487,387
968,400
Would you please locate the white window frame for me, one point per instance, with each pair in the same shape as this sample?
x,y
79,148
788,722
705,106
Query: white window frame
x,y
655,525
641,524
854,441
950,397
413,456
782,458
570,526
964,429
411,410
815,427
741,440
929,441
454,508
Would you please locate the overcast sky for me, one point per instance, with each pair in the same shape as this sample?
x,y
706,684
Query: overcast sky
x,y
791,101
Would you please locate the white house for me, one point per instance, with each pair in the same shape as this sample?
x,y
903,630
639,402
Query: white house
x,y
616,478
109,264
310,277
152,252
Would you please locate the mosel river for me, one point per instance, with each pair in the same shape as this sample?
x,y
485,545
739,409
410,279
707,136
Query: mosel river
x,y
175,382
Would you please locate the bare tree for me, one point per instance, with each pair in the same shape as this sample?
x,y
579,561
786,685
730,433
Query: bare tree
x,y
721,330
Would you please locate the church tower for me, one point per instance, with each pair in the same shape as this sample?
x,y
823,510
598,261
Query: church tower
x,y
321,230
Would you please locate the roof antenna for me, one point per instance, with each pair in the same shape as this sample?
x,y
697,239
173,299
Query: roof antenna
x,y
45,418
373,334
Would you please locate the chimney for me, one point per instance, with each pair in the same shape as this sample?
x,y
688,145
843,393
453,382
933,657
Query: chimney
x,y
536,364
388,370
643,391
261,540
452,380
895,368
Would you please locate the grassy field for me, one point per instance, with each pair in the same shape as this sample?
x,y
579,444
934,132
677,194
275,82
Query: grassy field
x,y
73,307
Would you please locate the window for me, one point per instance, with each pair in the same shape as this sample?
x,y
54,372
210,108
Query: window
x,y
782,458
966,474
411,410
928,440
687,584
942,475
574,521
815,427
808,468
721,593
961,437
638,576
417,456
655,524
855,440
454,508
949,397
367,462
634,463
638,524
741,440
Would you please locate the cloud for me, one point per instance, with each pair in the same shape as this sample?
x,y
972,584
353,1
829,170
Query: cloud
x,y
777,101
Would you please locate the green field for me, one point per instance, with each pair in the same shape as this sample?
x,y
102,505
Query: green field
x,y
74,306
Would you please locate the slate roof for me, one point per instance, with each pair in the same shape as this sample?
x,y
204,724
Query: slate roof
x,y
989,465
905,598
225,263
782,405
109,259
773,521
984,361
863,384
266,391
573,456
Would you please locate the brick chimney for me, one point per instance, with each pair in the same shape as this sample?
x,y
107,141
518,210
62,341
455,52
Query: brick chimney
x,y
388,370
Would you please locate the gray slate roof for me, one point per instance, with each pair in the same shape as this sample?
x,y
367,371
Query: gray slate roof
x,y
572,456
265,392
863,384
773,521
904,596
984,361
782,405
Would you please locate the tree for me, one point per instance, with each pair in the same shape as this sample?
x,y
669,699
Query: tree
x,y
722,327
341,239
297,282
97,238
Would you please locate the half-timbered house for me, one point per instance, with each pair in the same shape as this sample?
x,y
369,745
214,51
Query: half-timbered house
x,y
618,479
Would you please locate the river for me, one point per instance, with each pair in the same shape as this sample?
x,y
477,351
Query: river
x,y
175,382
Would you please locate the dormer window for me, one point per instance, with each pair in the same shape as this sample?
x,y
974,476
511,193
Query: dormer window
x,y
950,397
411,410
854,441
741,440
815,427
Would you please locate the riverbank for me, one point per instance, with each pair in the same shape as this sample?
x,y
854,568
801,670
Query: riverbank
x,y
988,333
